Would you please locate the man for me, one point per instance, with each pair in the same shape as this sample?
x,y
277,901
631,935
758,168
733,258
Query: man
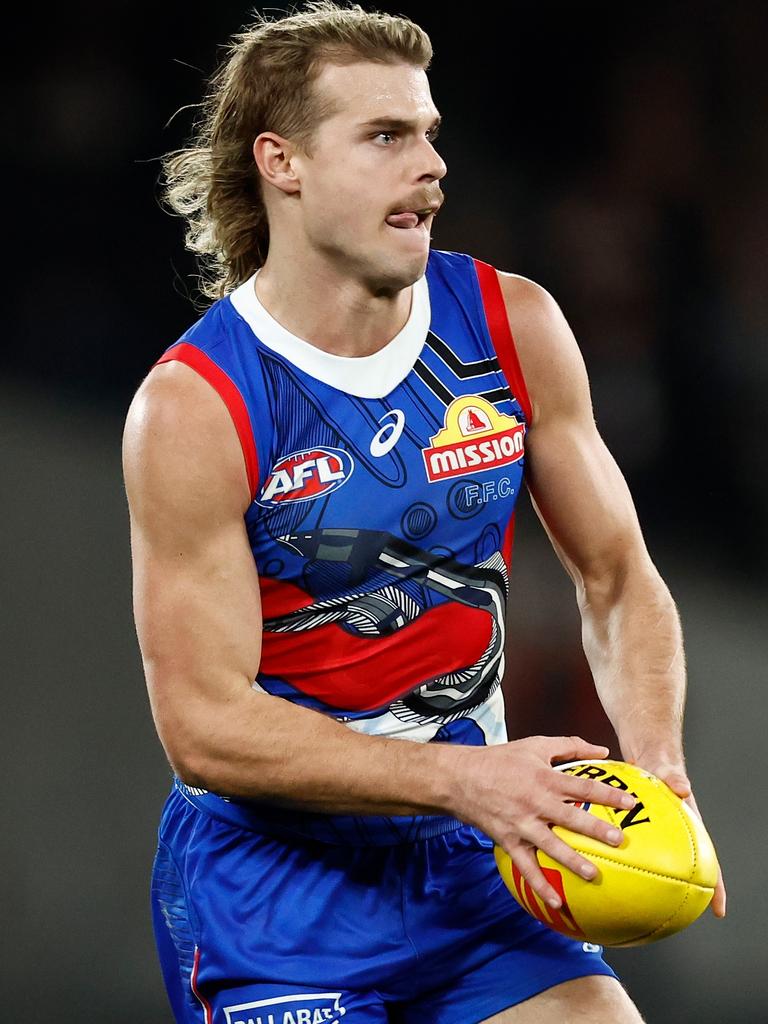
x,y
322,475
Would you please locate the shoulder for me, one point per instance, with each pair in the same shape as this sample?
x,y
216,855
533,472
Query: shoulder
x,y
171,394
549,355
179,442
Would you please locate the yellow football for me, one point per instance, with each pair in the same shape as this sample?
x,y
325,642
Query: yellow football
x,y
656,883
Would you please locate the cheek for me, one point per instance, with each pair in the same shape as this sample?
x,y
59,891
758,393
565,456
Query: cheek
x,y
346,202
346,212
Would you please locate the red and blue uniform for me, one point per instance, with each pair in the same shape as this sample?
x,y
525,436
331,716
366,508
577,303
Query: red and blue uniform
x,y
383,493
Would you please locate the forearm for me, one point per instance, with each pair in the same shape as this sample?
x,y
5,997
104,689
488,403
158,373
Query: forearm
x,y
633,641
264,748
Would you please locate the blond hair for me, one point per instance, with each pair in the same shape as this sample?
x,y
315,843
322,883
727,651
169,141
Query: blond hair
x,y
266,83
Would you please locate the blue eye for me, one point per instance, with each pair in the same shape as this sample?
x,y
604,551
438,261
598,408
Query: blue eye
x,y
431,134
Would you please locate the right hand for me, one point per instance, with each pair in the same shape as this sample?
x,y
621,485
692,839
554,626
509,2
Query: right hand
x,y
512,793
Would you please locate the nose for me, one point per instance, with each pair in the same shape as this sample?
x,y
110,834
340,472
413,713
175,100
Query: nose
x,y
431,163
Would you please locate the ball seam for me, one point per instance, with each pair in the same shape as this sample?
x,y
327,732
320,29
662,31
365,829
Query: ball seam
x,y
671,917
644,871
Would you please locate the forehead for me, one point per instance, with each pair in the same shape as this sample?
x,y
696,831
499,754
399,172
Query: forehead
x,y
366,90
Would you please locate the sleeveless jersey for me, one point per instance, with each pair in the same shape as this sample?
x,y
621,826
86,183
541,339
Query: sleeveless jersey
x,y
383,496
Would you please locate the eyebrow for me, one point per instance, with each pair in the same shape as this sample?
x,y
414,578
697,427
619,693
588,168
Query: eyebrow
x,y
397,123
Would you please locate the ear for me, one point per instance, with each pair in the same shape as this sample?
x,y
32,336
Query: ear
x,y
277,160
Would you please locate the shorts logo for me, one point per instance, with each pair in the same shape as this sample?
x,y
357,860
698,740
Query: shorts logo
x,y
304,1008
302,476
475,437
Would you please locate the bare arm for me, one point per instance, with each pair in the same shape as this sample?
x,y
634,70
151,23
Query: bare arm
x,y
630,625
631,630
198,618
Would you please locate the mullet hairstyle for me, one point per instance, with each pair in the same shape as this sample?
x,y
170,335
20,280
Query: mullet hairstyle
x,y
265,83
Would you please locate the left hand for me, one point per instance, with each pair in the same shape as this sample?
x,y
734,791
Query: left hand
x,y
677,779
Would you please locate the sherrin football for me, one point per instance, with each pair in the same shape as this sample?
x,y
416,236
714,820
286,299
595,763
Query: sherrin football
x,y
656,883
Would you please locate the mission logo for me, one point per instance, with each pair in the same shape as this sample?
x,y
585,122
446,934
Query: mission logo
x,y
475,437
302,476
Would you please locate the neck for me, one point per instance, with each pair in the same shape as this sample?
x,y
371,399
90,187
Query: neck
x,y
336,313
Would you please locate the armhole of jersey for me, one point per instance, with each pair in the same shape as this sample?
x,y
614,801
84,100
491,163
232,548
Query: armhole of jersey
x,y
501,333
230,395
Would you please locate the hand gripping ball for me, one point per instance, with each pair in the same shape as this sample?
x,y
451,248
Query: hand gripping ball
x,y
656,883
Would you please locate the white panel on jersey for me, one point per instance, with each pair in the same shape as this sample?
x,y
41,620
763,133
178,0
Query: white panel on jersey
x,y
372,376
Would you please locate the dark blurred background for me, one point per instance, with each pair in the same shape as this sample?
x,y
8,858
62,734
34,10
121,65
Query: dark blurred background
x,y
616,154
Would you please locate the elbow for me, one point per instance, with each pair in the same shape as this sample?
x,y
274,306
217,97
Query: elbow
x,y
191,769
188,763
191,753
201,769
211,750
201,731
602,584
598,591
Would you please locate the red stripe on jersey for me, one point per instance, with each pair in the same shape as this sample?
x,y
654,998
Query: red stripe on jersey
x,y
230,394
208,1012
363,673
501,333
280,597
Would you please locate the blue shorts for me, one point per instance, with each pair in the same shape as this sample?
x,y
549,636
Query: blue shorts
x,y
256,924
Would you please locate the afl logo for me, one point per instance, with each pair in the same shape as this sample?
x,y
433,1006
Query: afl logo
x,y
302,476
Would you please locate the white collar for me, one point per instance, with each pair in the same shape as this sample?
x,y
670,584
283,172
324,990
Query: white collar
x,y
372,376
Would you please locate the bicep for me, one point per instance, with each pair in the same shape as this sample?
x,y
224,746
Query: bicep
x,y
195,587
198,620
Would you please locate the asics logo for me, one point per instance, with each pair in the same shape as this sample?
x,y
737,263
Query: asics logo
x,y
385,439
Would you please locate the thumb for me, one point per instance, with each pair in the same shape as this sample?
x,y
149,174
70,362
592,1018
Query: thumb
x,y
678,782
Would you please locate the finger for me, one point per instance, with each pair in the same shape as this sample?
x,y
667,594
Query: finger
x,y
573,748
691,801
594,792
719,898
564,854
587,824
524,858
